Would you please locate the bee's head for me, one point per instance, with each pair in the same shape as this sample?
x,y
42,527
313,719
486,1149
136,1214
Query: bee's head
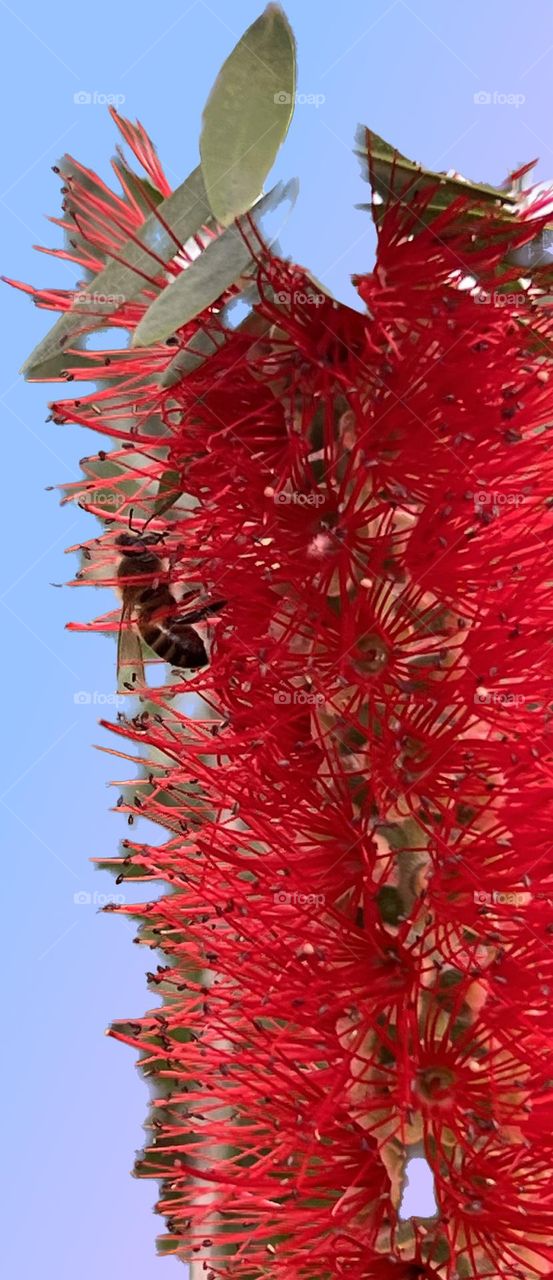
x,y
139,556
137,543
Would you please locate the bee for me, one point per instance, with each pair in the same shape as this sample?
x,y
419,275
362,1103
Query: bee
x,y
150,603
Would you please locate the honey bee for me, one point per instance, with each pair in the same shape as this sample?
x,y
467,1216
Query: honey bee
x,y
149,602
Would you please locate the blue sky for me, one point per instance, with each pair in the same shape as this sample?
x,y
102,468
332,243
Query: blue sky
x,y
73,1106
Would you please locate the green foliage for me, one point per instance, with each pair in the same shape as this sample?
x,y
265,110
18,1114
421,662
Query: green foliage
x,y
185,212
247,115
391,174
225,262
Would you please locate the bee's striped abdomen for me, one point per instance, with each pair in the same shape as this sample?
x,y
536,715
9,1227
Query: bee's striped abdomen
x,y
177,643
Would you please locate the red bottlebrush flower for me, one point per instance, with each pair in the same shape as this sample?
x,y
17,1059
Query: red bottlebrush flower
x,y
357,924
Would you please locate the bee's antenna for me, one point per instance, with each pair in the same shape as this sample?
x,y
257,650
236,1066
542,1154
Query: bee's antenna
x,y
140,533
159,536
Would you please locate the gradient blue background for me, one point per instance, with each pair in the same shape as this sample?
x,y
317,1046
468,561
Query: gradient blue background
x,y
72,1104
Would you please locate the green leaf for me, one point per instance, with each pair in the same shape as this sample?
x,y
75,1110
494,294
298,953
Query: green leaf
x,y
54,367
389,904
168,491
168,1244
247,115
142,191
206,342
202,346
221,265
85,180
116,867
390,174
185,211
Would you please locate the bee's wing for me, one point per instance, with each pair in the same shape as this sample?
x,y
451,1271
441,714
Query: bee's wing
x,y
130,663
